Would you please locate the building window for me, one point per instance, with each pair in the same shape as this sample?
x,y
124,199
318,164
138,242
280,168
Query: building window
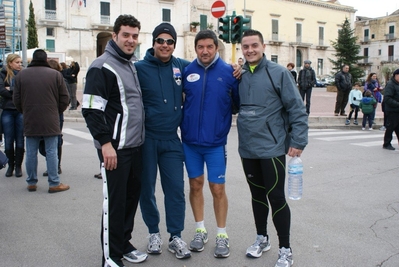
x,y
274,30
320,66
50,10
379,52
366,54
321,35
50,32
390,52
274,58
373,36
50,45
203,22
366,35
104,13
299,33
50,5
166,15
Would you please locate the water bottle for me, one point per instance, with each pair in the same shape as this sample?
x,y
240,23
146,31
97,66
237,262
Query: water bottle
x,y
295,171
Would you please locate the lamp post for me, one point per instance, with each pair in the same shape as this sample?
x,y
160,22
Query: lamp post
x,y
23,34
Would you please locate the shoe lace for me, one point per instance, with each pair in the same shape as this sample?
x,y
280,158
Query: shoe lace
x,y
180,244
258,241
155,239
221,241
199,236
283,255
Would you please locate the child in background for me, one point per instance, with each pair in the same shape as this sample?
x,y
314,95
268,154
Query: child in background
x,y
367,107
355,96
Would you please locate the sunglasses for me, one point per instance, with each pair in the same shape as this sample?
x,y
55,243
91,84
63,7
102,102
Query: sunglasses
x,y
161,41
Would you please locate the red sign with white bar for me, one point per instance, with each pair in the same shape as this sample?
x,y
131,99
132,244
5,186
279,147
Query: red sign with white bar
x,y
218,9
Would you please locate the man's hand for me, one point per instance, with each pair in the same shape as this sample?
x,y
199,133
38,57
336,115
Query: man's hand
x,y
294,152
237,70
109,156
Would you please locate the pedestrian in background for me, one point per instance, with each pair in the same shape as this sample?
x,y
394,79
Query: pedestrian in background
x,y
306,81
40,95
343,82
160,75
113,110
209,88
72,75
268,94
367,106
291,68
355,96
391,100
12,119
373,85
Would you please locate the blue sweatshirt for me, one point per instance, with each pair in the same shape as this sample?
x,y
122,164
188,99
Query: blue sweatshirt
x,y
161,85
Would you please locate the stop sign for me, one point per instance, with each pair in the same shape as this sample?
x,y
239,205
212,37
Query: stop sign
x,y
218,8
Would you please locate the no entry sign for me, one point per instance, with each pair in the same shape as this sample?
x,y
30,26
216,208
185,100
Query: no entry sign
x,y
218,9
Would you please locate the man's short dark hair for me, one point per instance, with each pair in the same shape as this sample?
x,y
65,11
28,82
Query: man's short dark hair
x,y
206,34
251,32
126,20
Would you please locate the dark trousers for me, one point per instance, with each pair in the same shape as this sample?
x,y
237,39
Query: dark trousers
x,y
121,194
391,126
354,109
367,118
342,100
308,93
266,178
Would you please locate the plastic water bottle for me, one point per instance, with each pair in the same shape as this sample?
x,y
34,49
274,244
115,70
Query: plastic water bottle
x,y
295,171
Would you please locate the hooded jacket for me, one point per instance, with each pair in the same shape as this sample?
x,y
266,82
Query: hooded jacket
x,y
271,118
40,94
161,84
207,106
112,100
367,104
6,95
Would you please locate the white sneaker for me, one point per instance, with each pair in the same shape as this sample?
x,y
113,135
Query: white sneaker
x,y
284,258
363,129
383,128
261,245
179,248
154,244
370,129
135,256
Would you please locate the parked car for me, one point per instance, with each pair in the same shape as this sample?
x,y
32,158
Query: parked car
x,y
319,83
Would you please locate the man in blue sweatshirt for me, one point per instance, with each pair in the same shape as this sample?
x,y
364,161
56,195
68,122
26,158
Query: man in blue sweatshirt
x,y
209,88
160,76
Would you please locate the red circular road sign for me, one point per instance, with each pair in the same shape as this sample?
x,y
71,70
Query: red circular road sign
x,y
218,9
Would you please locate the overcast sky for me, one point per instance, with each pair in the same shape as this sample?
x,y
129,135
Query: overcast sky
x,y
372,8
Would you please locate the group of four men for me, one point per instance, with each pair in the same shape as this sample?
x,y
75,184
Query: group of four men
x,y
133,111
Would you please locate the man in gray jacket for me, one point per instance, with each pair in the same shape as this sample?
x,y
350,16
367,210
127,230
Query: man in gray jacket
x,y
40,94
114,113
271,123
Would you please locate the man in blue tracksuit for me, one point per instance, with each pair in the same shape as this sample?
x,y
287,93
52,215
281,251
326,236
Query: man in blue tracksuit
x,y
209,87
160,76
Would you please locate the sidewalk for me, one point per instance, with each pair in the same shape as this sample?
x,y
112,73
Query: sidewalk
x,y
321,112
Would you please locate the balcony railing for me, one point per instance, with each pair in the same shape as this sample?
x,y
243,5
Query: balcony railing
x,y
104,20
275,36
299,39
321,42
390,36
366,39
390,58
50,14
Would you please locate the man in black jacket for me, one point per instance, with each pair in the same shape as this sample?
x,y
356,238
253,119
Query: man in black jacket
x,y
306,81
391,102
343,81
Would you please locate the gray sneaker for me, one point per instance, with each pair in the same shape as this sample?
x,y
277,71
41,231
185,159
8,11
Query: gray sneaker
x,y
179,247
154,244
284,258
135,256
222,249
199,240
261,245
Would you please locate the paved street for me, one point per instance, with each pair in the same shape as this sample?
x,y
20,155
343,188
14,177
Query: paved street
x,y
348,215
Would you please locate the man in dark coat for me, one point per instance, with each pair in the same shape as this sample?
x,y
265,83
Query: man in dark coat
x,y
306,81
343,81
40,95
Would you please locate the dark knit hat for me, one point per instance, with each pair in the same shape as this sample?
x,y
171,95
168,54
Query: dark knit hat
x,y
395,72
164,28
39,55
307,61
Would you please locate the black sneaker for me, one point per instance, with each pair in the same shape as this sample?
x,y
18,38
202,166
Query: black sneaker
x,y
389,147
